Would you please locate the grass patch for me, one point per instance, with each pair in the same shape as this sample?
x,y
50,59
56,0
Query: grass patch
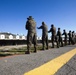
x,y
5,54
18,51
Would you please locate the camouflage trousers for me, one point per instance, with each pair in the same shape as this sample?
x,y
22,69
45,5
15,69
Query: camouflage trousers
x,y
55,39
31,39
70,40
45,41
60,41
65,41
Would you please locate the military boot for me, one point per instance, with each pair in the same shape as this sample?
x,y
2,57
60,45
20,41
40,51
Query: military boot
x,y
43,48
57,44
47,48
27,52
35,50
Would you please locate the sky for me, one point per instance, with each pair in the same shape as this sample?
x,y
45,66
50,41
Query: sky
x,y
14,14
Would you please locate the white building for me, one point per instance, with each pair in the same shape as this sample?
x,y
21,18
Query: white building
x,y
10,36
17,37
2,36
23,37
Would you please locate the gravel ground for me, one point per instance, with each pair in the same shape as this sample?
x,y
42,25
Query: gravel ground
x,y
10,47
18,65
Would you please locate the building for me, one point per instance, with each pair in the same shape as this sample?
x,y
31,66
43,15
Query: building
x,y
7,35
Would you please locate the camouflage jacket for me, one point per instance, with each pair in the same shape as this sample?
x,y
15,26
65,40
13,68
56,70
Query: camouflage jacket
x,y
53,31
44,29
59,33
31,26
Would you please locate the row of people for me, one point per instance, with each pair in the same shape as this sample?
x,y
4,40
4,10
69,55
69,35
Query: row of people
x,y
56,37
68,37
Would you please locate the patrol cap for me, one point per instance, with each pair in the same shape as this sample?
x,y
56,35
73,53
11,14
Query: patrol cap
x,y
58,28
42,22
64,30
72,31
52,25
30,17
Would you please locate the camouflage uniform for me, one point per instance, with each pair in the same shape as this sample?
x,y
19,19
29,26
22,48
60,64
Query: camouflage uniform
x,y
31,36
60,37
73,37
44,34
70,37
54,37
65,38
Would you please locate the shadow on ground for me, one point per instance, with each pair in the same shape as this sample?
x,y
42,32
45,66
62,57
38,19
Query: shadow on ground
x,y
4,55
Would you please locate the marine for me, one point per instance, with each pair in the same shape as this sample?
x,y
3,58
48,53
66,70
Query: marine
x,y
73,37
65,37
44,35
59,34
54,38
70,37
31,35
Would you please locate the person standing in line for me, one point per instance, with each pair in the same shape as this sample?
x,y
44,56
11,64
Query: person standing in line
x,y
70,37
54,36
65,37
59,34
73,37
44,35
31,35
